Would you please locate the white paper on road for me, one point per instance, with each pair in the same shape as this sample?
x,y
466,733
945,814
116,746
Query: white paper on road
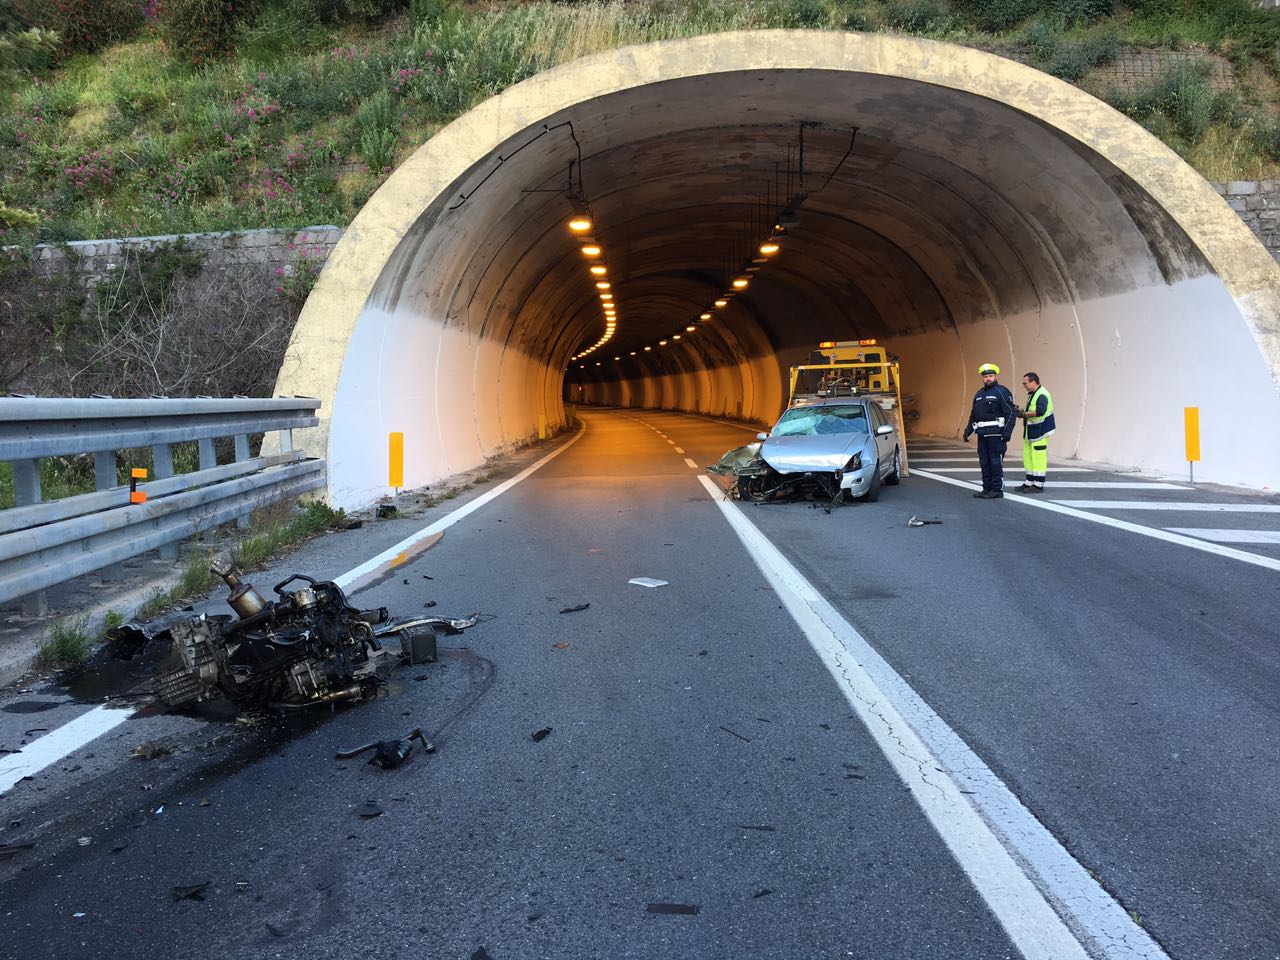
x,y
647,582
1045,900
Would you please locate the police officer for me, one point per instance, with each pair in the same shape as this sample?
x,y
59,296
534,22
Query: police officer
x,y
992,418
1038,424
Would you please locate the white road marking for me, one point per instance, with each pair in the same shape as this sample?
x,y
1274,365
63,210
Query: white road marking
x,y
87,727
1229,536
56,744
1113,485
915,462
990,833
1256,559
1171,505
450,519
679,449
672,442
690,464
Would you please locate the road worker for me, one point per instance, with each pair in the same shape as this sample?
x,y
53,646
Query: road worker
x,y
992,418
1037,425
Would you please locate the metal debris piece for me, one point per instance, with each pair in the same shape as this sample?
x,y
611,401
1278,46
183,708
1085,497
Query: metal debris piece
x,y
915,521
242,886
369,810
429,604
560,646
680,909
84,841
389,754
581,606
647,582
446,625
540,735
193,891
418,644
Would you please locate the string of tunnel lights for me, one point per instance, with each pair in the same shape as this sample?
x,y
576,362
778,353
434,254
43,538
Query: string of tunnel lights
x,y
582,226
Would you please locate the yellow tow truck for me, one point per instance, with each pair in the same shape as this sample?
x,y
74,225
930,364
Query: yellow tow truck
x,y
852,368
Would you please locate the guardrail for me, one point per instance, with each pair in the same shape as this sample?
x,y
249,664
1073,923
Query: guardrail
x,y
43,543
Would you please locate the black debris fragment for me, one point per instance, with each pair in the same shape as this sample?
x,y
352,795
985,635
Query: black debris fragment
x,y
10,850
534,917
680,909
420,677
368,810
481,954
581,606
354,525
385,510
540,735
702,653
406,581
425,577
120,846
914,521
193,891
764,827
429,604
762,892
35,730
388,754
854,776
735,733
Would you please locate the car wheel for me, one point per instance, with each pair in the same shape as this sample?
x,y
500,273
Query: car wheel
x,y
873,491
895,475
753,488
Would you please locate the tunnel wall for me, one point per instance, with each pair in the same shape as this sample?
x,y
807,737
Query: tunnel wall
x,y
437,317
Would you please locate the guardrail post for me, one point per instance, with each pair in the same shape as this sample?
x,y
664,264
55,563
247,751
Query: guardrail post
x,y
104,478
26,491
162,462
244,522
208,455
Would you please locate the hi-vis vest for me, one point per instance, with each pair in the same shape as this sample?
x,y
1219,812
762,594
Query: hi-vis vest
x,y
1037,428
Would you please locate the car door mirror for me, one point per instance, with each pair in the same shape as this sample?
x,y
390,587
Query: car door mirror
x,y
762,436
884,430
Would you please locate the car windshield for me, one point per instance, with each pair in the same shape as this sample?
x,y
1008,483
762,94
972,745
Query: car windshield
x,y
822,419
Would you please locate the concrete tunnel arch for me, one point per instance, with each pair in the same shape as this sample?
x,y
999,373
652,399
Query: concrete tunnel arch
x,y
987,212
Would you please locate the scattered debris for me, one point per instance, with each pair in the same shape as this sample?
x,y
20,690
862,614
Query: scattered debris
x,y
353,525
384,510
579,607
389,754
429,604
540,735
368,811
481,953
680,909
28,733
193,891
736,734
418,644
762,892
647,582
762,827
10,850
119,846
242,886
914,521
151,750
84,841
560,646
79,916
420,677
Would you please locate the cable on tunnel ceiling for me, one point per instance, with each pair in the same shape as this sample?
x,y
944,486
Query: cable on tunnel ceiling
x,y
579,194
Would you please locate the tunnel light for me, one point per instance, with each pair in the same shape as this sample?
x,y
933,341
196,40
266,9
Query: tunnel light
x,y
675,336
769,249
690,328
740,283
633,353
704,316
722,303
603,285
647,349
752,269
599,269
580,223
591,250
662,343
597,363
606,296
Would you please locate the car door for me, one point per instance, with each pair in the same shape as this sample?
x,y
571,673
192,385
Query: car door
x,y
884,442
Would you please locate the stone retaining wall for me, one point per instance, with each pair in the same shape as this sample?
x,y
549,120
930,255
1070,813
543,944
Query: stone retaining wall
x,y
1138,69
1258,204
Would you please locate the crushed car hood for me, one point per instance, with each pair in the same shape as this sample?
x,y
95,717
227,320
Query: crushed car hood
x,y
805,453
740,462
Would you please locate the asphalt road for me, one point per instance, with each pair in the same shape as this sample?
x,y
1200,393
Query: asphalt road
x,y
706,789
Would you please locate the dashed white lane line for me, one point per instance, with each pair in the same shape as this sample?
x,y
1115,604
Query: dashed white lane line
x,y
55,745
672,442
1016,865
1171,505
71,736
679,449
690,464
1154,532
1229,536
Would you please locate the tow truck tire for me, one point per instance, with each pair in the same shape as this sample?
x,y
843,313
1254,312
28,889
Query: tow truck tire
x,y
873,491
895,475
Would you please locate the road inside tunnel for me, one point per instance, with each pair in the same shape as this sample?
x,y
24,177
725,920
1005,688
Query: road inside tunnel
x,y
958,207
700,755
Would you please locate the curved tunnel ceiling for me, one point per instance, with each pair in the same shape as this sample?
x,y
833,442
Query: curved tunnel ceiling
x,y
985,212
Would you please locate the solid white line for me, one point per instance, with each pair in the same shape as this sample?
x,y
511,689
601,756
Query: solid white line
x,y
450,519
1156,534
56,744
690,463
1171,505
986,828
1114,485
1229,536
915,462
679,449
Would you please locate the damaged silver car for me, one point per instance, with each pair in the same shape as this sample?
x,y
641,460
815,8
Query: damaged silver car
x,y
837,448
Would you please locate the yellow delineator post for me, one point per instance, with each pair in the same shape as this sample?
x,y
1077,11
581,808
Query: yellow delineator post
x,y
395,458
1191,425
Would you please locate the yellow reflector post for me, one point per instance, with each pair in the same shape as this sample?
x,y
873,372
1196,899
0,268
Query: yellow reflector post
x,y
1191,422
395,459
138,473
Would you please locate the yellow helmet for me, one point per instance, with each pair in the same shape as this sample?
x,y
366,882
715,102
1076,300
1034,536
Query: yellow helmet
x,y
988,368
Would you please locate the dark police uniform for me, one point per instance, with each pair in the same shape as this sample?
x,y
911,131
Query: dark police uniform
x,y
992,419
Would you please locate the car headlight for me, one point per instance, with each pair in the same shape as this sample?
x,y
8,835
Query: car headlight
x,y
855,462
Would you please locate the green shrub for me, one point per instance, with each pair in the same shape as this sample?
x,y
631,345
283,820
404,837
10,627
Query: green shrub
x,y
84,25
370,9
69,643
997,14
803,14
202,31
1082,11
425,12
1267,140
1041,39
918,16
377,122
858,20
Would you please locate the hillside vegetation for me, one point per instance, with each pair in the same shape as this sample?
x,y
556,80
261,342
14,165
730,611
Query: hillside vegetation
x,y
130,118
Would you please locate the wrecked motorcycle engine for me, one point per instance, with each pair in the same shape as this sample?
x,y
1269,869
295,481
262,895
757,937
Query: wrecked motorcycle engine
x,y
305,648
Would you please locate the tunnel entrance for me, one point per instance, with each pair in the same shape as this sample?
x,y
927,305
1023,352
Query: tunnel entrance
x,y
958,207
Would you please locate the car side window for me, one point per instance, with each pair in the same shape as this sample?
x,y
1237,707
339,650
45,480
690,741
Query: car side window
x,y
877,416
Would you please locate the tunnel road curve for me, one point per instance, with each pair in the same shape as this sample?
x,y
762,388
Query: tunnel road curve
x,y
715,781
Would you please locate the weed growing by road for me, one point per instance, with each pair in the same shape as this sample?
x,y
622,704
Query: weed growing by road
x,y
68,643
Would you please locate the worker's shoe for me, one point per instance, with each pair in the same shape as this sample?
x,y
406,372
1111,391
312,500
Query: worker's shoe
x,y
990,495
1034,489
1026,487
980,494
